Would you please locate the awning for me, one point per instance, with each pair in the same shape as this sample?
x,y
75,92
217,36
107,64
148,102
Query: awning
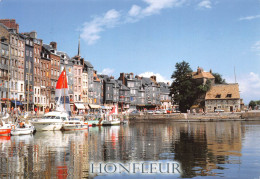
x,y
94,106
80,106
18,103
105,107
86,106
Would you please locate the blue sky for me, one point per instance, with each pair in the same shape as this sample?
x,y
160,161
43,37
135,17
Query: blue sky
x,y
150,36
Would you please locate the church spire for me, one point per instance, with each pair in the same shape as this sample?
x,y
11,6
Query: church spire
x,y
79,47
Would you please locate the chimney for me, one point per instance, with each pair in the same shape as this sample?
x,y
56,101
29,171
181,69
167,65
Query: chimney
x,y
122,78
54,45
168,83
153,77
198,70
10,23
138,77
131,75
210,71
33,34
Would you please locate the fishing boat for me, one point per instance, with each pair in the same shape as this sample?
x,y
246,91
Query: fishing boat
x,y
75,123
5,129
54,120
24,129
112,118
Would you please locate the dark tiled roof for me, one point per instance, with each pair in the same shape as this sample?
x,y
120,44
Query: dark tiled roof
x,y
147,81
63,53
88,64
47,47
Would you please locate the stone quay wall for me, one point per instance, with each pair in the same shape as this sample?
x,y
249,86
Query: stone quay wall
x,y
183,117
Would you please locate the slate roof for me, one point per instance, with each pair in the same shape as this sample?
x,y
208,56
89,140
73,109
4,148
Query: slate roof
x,y
47,47
88,64
63,53
147,81
223,91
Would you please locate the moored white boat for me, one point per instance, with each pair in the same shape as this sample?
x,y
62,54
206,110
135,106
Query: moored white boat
x,y
112,122
27,129
51,121
112,119
95,123
74,124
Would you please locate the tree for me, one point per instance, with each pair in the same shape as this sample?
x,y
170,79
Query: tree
x,y
252,104
182,87
219,79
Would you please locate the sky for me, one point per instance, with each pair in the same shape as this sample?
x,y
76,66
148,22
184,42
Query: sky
x,y
150,36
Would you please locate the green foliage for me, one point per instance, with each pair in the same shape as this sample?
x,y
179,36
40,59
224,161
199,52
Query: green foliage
x,y
218,78
184,89
203,88
252,103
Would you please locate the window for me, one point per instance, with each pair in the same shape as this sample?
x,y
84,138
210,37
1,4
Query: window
x,y
27,53
229,95
218,96
30,54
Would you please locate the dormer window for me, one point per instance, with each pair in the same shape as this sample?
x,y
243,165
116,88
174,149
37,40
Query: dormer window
x,y
218,96
229,95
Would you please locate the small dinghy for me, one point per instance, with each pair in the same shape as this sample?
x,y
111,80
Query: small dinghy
x,y
22,129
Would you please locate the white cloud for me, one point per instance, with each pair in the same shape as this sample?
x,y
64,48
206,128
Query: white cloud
x,y
159,77
249,17
107,71
91,30
155,6
256,47
134,11
249,86
205,4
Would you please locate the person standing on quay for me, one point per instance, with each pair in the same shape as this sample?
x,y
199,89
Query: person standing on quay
x,y
35,110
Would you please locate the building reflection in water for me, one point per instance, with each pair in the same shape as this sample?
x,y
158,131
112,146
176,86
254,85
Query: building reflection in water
x,y
200,148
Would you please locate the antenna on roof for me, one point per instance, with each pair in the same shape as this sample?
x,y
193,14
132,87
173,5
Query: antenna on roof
x,y
79,46
235,74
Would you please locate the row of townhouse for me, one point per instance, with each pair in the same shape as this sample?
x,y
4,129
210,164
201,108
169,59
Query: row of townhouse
x,y
31,68
131,92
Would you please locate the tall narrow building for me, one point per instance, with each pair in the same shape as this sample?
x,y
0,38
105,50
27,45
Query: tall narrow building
x,y
78,82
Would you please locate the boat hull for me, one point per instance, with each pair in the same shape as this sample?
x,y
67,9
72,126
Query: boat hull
x,y
40,126
72,127
5,132
94,123
22,131
110,123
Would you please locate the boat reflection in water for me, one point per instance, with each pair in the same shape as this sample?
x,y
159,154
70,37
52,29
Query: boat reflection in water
x,y
202,149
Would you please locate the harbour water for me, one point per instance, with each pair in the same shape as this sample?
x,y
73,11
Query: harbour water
x,y
216,149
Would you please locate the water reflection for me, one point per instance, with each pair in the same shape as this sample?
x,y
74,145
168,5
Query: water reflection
x,y
202,149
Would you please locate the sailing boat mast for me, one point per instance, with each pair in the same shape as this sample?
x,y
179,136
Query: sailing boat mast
x,y
64,87
8,79
235,74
